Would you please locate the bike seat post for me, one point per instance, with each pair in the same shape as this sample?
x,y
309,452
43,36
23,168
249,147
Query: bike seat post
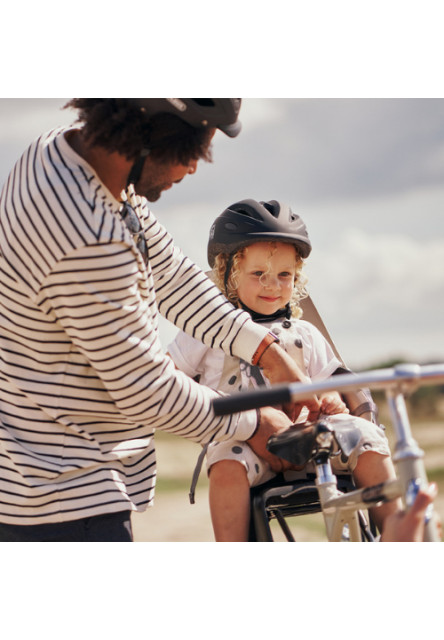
x,y
324,473
326,481
327,486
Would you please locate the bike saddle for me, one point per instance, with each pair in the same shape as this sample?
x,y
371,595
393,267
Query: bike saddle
x,y
296,445
299,444
347,437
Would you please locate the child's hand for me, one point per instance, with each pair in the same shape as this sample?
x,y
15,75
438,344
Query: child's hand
x,y
332,403
280,368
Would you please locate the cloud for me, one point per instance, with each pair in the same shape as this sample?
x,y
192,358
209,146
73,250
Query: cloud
x,y
374,269
256,114
317,150
381,295
21,121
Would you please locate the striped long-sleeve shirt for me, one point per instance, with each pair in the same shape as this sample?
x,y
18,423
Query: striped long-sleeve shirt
x,y
84,382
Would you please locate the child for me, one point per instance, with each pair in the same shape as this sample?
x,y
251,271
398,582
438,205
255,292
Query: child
x,y
256,251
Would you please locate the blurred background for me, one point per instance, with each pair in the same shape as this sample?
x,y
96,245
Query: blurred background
x,y
366,175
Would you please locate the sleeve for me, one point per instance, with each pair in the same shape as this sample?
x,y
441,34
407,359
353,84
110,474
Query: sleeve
x,y
188,354
187,297
320,359
96,297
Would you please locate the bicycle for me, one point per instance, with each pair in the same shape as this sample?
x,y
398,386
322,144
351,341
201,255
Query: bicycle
x,y
342,505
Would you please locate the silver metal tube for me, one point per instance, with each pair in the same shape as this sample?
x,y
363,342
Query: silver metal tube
x,y
406,445
404,378
408,457
366,497
324,474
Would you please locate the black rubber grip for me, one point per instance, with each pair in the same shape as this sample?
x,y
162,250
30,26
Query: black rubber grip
x,y
267,397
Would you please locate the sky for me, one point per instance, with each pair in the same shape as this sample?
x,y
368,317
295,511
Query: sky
x,y
365,174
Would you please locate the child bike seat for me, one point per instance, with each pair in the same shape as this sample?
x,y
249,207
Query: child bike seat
x,y
299,444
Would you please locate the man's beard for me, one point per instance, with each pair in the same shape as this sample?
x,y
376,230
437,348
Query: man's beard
x,y
153,194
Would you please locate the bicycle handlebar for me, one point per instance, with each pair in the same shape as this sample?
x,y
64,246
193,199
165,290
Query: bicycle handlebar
x,y
402,378
396,381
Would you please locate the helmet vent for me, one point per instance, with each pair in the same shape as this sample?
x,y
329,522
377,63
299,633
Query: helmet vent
x,y
204,102
248,214
272,207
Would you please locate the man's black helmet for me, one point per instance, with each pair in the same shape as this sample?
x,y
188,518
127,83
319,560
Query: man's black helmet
x,y
249,221
219,113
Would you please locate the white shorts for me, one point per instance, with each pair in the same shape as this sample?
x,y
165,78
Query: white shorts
x,y
372,438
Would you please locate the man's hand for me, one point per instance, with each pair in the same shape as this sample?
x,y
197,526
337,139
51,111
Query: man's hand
x,y
279,368
272,421
409,526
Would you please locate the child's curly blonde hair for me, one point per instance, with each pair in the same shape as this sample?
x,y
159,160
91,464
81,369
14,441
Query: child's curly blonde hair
x,y
223,261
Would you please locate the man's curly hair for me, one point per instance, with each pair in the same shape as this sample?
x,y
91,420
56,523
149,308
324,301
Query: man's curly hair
x,y
119,125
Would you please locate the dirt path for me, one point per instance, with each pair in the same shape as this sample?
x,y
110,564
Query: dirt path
x,y
174,519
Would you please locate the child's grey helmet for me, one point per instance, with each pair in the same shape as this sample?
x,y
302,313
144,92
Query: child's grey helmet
x,y
249,221
219,113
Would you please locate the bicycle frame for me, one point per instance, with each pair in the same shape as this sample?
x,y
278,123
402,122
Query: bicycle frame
x,y
346,509
340,509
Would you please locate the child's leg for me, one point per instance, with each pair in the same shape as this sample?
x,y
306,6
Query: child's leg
x,y
373,468
370,460
229,501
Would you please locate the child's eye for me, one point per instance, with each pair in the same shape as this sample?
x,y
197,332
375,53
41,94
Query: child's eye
x,y
285,274
258,273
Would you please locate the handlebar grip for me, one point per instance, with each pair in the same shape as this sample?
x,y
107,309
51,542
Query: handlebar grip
x,y
269,397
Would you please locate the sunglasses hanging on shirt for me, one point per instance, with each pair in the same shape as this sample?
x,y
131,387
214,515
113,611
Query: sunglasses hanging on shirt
x,y
131,219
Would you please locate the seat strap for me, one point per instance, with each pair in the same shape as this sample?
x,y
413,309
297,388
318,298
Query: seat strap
x,y
196,472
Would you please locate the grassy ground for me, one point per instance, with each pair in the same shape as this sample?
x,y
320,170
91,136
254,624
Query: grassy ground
x,y
174,519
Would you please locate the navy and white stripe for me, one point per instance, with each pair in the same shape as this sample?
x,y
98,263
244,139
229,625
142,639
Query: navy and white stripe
x,y
84,382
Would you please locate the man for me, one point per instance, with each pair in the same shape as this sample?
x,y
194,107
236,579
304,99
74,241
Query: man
x,y
85,269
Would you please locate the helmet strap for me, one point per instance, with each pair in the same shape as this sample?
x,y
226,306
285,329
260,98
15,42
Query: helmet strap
x,y
227,272
137,168
260,317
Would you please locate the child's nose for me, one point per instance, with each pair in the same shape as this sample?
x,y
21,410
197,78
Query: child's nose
x,y
270,281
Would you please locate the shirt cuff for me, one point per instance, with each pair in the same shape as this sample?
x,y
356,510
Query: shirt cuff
x,y
248,340
248,422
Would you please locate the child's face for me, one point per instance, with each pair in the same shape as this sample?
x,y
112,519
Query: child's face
x,y
266,277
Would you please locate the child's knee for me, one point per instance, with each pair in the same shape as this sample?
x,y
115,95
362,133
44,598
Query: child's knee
x,y
227,472
374,466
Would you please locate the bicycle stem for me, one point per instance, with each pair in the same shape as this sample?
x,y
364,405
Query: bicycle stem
x,y
408,457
